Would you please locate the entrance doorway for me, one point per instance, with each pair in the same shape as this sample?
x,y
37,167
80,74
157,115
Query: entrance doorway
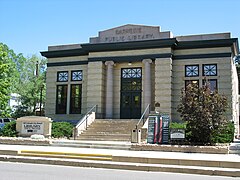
x,y
131,90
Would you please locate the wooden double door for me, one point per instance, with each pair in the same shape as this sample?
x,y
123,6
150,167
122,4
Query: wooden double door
x,y
130,105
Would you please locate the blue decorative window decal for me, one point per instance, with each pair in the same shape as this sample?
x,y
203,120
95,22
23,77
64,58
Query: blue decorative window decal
x,y
77,75
210,70
132,73
191,70
62,76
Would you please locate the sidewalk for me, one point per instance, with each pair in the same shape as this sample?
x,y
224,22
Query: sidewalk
x,y
193,163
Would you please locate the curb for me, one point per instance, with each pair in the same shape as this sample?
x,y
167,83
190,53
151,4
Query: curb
x,y
99,157
125,166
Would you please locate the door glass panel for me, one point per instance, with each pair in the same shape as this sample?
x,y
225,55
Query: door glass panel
x,y
136,101
126,101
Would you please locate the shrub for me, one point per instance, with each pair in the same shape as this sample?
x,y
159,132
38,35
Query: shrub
x,y
226,135
204,111
175,125
62,129
9,129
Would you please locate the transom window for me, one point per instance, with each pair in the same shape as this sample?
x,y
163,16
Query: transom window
x,y
62,76
131,85
132,73
210,70
191,70
77,75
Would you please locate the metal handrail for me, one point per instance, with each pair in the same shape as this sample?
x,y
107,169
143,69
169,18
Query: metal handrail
x,y
85,117
143,115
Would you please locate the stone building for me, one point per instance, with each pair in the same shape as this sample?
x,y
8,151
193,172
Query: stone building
x,y
128,67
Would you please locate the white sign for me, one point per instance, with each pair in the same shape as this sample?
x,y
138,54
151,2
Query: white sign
x,y
32,127
177,134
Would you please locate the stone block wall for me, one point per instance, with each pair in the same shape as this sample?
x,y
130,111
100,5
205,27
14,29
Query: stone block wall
x,y
51,83
223,77
96,86
163,84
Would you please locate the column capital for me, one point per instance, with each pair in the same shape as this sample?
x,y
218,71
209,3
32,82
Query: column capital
x,y
147,61
111,63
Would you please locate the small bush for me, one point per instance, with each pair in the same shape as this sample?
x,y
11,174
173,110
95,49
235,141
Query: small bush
x,y
225,136
9,129
175,125
62,129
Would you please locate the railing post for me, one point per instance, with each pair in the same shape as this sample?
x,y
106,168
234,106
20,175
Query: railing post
x,y
96,110
86,121
74,133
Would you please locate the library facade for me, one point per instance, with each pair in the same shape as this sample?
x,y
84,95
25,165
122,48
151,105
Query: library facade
x,y
127,68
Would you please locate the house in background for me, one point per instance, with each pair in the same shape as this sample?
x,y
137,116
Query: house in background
x,y
14,101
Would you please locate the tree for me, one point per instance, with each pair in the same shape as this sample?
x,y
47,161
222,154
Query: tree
x,y
203,112
8,76
32,82
24,76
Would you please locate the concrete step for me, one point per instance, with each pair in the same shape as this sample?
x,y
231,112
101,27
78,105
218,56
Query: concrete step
x,y
113,125
93,144
110,128
117,126
109,132
103,139
102,131
105,134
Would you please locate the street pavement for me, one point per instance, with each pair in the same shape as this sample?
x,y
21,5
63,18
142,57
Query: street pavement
x,y
21,171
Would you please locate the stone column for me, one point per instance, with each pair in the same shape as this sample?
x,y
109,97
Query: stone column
x,y
68,97
109,89
147,94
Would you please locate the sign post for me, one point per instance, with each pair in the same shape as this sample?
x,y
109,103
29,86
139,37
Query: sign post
x,y
165,128
152,122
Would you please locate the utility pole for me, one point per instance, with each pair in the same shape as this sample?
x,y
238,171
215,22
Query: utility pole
x,y
41,89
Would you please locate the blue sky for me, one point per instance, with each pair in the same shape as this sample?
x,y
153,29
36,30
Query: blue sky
x,y
29,26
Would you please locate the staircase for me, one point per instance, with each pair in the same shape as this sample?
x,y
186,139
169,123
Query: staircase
x,y
109,130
